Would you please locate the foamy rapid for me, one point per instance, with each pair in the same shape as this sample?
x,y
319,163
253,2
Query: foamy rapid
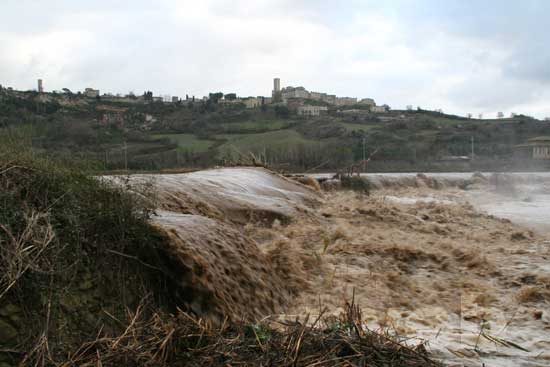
x,y
221,271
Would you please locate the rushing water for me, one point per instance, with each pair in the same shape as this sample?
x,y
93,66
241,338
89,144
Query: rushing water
x,y
528,204
522,198
205,213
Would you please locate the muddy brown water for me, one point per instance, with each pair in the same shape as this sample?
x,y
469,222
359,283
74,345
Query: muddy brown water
x,y
442,265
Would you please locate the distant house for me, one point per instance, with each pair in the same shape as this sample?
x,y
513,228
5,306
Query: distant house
x,y
316,95
291,92
345,101
252,102
175,99
355,111
225,101
536,148
311,110
378,109
91,93
367,102
329,98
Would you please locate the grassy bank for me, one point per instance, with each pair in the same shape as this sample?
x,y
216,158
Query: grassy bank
x,y
75,253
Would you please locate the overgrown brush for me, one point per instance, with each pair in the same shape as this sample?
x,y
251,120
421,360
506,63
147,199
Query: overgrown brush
x,y
183,340
74,251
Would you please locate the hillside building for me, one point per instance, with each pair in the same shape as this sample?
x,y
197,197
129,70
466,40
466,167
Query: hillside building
x,y
536,148
291,92
542,150
378,109
252,102
318,96
329,98
40,86
311,110
91,93
345,101
266,100
367,102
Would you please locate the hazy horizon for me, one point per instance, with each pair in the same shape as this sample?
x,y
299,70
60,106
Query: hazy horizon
x,y
460,56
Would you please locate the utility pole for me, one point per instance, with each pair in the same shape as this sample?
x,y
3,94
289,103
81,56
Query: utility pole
x,y
364,156
414,149
125,156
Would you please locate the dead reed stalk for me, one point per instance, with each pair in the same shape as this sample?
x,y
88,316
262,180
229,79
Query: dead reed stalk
x,y
183,340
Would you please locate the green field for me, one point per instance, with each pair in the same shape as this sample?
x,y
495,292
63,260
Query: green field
x,y
187,142
357,127
254,125
276,140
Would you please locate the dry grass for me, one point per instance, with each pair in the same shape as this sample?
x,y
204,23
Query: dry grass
x,y
183,340
21,252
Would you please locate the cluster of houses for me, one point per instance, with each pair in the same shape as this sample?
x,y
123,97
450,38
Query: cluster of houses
x,y
300,95
298,99
288,93
304,102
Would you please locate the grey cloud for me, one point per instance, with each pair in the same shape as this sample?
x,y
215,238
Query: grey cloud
x,y
461,56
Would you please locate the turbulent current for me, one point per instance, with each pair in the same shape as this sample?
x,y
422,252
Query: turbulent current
x,y
457,260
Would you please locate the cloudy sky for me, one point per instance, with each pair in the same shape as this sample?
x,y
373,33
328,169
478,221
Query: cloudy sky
x,y
462,56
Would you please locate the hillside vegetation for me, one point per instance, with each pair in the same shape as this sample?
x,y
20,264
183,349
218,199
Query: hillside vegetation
x,y
153,136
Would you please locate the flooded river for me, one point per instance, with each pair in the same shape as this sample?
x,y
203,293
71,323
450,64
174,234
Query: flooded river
x,y
492,311
458,261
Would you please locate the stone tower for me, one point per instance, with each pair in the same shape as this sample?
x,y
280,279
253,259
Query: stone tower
x,y
276,85
276,94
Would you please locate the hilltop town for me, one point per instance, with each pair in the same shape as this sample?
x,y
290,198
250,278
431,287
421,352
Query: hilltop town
x,y
293,129
301,101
